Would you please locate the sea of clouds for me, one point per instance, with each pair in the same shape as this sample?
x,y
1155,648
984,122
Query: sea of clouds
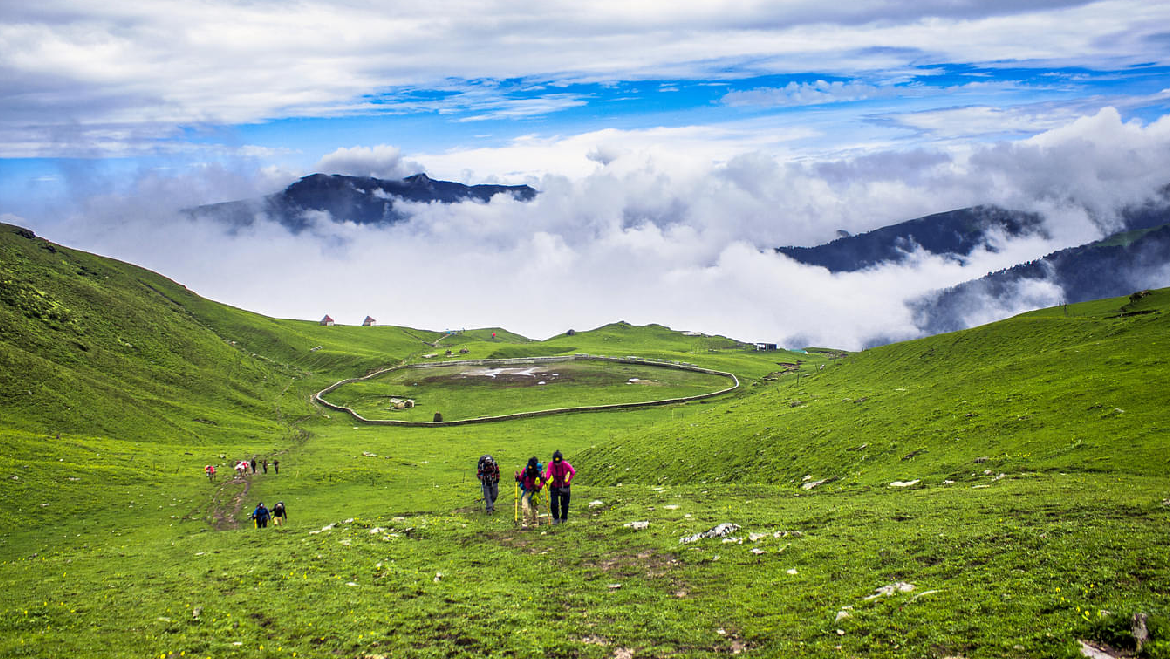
x,y
640,234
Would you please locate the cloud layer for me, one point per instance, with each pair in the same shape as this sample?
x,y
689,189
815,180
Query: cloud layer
x,y
647,235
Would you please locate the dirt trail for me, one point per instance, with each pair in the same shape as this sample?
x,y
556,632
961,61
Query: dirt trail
x,y
227,502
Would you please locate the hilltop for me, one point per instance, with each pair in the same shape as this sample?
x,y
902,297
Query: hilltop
x,y
999,491
357,199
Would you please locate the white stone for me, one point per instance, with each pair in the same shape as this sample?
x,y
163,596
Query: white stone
x,y
906,483
896,587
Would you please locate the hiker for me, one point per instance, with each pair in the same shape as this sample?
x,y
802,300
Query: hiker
x,y
279,513
265,465
253,465
241,469
276,465
558,476
488,473
260,515
210,471
530,484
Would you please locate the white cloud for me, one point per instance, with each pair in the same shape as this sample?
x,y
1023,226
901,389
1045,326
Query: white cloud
x,y
85,69
381,161
811,93
649,237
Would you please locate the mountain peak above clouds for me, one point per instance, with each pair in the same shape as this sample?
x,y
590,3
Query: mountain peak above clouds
x,y
357,199
952,234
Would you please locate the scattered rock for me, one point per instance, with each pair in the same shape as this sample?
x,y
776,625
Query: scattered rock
x,y
614,586
716,532
981,459
809,486
755,537
906,483
596,502
438,577
840,632
670,506
791,570
1094,653
368,454
196,612
1141,633
896,587
843,614
979,487
637,526
348,521
350,583
623,653
757,550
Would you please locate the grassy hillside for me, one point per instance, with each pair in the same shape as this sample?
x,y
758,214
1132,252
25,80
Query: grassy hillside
x,y
1050,391
998,492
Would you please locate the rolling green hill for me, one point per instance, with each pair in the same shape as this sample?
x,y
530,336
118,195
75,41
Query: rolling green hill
x,y
997,492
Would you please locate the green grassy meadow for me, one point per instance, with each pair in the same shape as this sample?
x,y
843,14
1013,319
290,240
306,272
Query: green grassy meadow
x,y
1016,476
458,392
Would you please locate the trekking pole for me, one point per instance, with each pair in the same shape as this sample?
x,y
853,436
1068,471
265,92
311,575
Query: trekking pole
x,y
516,504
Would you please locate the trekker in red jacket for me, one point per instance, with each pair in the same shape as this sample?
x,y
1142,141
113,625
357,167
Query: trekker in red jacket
x,y
558,475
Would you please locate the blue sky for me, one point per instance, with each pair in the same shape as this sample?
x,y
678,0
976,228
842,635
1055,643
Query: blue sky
x,y
689,128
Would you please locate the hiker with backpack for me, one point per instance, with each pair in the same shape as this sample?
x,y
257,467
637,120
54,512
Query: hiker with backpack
x,y
488,473
260,516
530,483
558,476
279,513
210,471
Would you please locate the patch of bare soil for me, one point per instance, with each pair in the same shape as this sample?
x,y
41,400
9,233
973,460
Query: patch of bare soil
x,y
227,503
645,563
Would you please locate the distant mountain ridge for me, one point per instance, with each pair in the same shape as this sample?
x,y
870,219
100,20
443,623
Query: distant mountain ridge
x,y
955,234
1135,258
358,199
1121,264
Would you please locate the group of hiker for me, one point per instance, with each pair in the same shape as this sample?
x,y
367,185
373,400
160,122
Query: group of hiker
x,y
261,515
530,482
244,467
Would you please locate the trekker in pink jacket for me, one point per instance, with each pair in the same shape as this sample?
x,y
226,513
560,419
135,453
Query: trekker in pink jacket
x,y
558,475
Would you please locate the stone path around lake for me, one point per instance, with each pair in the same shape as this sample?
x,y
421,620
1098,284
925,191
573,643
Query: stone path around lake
x,y
506,363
